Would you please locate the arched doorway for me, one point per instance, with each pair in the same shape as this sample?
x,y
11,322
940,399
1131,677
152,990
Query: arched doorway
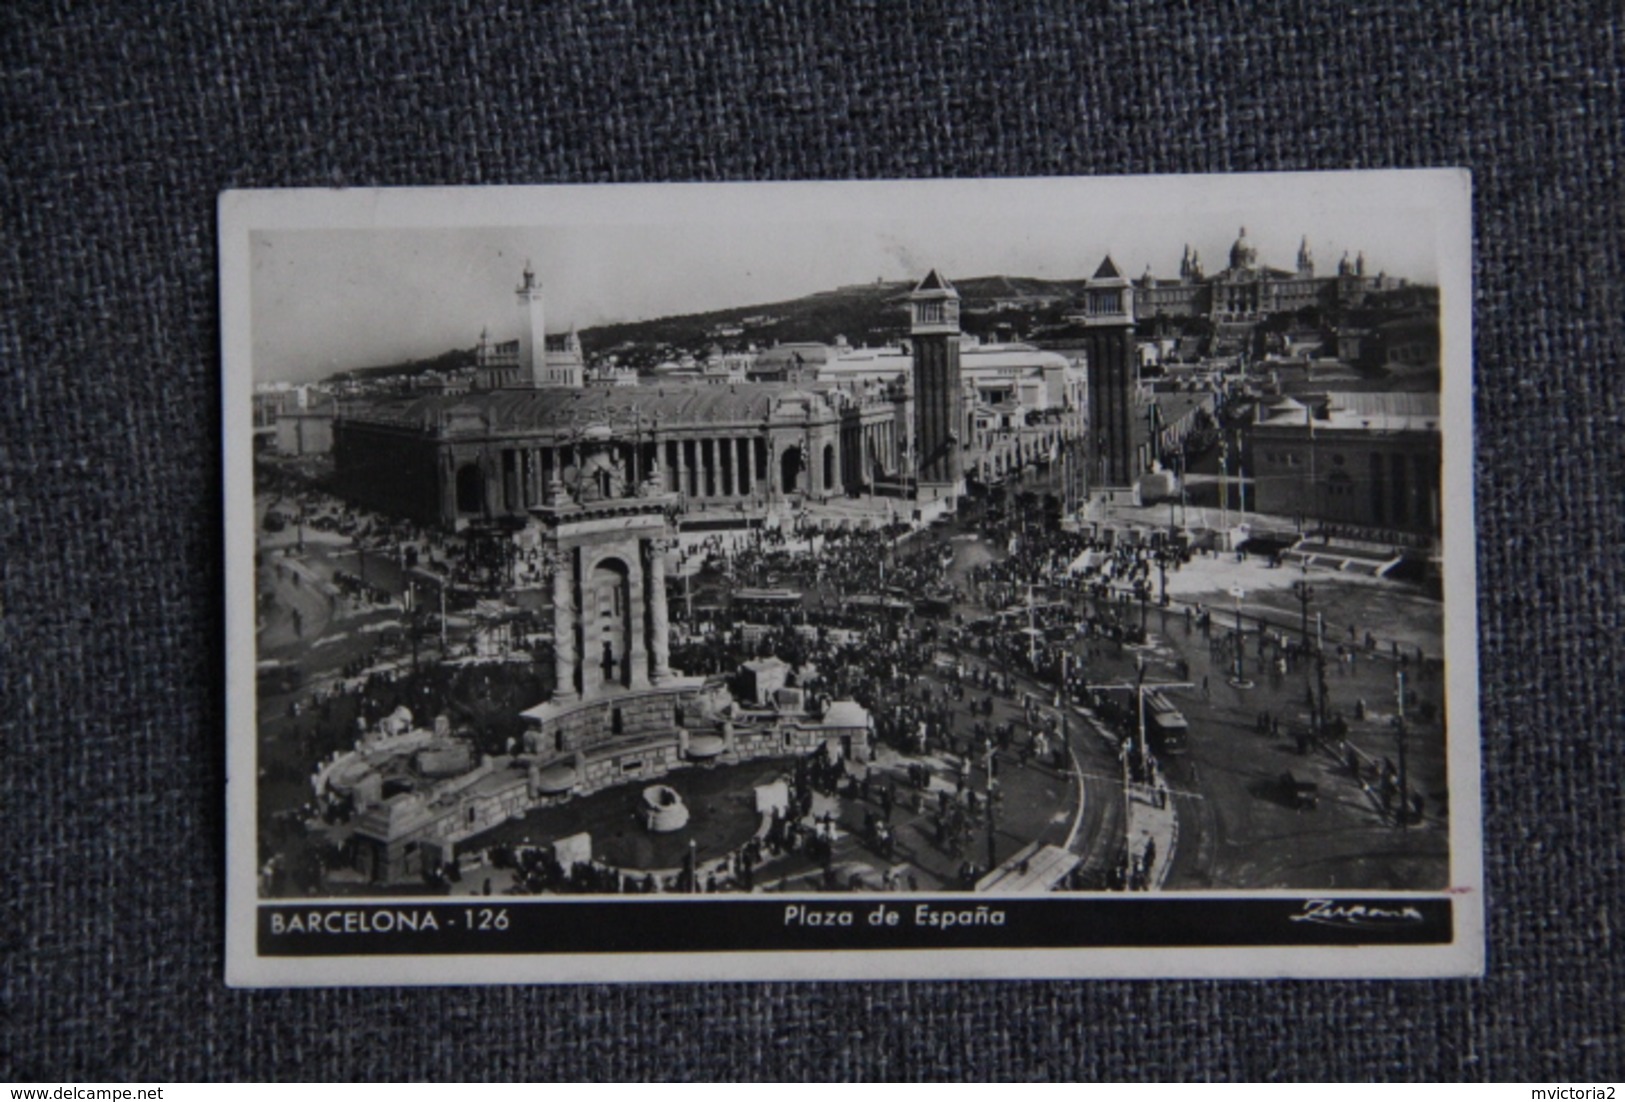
x,y
470,489
790,469
607,625
829,468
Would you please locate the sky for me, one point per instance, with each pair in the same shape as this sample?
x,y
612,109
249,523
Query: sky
x,y
336,284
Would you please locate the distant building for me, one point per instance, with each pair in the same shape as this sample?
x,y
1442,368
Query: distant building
x,y
735,435
1235,299
796,362
535,358
307,431
1369,460
740,450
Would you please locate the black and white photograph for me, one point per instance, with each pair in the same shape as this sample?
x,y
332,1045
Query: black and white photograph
x,y
981,578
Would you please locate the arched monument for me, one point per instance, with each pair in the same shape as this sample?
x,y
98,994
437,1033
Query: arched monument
x,y
604,535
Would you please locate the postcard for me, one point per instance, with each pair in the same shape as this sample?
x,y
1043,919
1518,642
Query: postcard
x,y
957,579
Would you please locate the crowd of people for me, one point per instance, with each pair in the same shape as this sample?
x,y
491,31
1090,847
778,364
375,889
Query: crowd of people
x,y
873,615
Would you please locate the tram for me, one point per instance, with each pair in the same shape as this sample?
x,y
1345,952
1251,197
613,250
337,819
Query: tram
x,y
1165,725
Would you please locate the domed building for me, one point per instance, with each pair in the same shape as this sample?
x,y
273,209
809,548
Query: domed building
x,y
1247,291
1242,254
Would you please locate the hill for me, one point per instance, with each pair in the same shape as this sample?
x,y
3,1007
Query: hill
x,y
457,359
864,313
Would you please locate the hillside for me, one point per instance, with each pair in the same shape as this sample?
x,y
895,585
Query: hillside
x,y
456,359
864,313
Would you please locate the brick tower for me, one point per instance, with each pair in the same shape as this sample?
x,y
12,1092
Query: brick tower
x,y
934,310
1109,328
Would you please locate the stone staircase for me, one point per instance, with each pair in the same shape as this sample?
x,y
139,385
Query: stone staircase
x,y
1347,558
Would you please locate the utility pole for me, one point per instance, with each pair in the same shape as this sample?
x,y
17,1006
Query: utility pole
x,y
1241,474
412,623
1184,502
1314,492
1032,632
1399,732
1305,593
1240,681
992,856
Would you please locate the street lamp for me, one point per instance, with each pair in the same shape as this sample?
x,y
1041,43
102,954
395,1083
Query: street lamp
x,y
1399,734
1240,681
1032,632
1305,593
992,857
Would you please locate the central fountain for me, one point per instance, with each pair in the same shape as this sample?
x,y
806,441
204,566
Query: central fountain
x,y
663,809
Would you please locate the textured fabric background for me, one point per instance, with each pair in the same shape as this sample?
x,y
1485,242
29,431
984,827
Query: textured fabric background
x,y
122,124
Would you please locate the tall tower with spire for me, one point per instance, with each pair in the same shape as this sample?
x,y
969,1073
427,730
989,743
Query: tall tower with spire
x,y
934,327
564,365
1306,260
1109,342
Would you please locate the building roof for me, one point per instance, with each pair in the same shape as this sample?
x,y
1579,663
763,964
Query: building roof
x,y
934,282
991,356
1175,405
1107,269
792,352
1363,411
674,404
1423,404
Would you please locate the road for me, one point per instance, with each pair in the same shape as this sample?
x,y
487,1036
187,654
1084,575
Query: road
x,y
1236,825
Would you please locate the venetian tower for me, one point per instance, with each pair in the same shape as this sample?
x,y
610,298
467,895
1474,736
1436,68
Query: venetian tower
x,y
934,311
1109,341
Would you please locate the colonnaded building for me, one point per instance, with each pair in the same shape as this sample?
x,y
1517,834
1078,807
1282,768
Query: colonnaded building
x,y
733,453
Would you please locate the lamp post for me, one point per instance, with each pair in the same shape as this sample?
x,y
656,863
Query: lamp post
x,y
1240,681
1399,734
1305,593
992,856
1184,503
1032,632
